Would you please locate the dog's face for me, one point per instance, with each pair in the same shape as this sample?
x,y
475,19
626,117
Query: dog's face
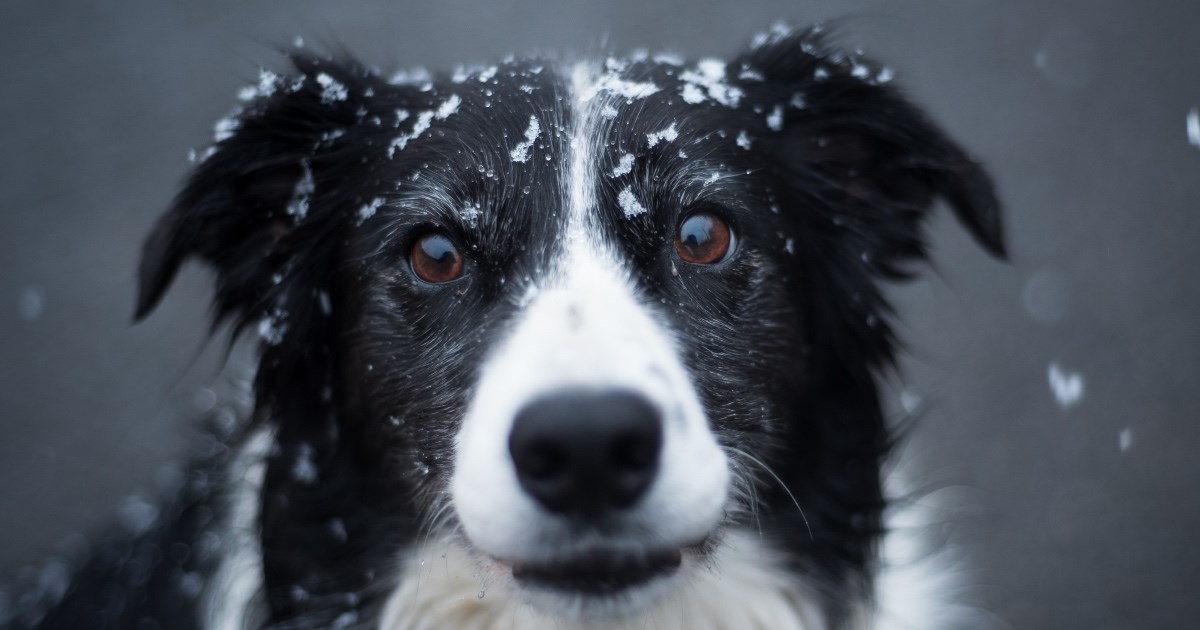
x,y
579,321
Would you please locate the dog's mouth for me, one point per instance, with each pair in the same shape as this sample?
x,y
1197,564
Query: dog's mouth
x,y
599,572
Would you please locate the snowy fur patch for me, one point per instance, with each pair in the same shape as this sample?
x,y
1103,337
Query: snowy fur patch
x,y
629,203
707,80
669,134
332,90
520,153
624,166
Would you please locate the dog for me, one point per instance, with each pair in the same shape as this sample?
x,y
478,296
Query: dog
x,y
548,345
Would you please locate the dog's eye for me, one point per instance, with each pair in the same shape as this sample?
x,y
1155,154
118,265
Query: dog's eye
x,y
435,258
703,239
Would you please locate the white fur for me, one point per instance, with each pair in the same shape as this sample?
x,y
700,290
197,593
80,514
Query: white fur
x,y
743,587
918,586
228,600
584,327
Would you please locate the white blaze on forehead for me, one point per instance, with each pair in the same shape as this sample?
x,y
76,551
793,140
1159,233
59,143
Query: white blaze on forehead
x,y
583,325
611,82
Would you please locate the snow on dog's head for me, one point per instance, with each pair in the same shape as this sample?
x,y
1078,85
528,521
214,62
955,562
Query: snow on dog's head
x,y
576,329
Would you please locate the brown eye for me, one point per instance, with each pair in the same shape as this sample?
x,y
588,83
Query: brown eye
x,y
703,239
435,259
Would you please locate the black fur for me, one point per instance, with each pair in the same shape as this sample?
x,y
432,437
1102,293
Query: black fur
x,y
365,371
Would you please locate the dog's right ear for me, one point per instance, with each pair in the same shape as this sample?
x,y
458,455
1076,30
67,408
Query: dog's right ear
x,y
256,194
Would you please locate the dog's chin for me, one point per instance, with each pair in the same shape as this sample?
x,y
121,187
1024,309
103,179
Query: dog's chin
x,y
601,583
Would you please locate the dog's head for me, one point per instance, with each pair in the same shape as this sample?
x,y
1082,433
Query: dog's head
x,y
581,321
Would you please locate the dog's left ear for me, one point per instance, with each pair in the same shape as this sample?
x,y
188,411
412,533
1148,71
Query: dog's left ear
x,y
850,144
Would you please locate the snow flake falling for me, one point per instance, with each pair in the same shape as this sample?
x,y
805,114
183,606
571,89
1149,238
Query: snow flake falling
x,y
1068,387
1193,127
31,303
520,153
1125,439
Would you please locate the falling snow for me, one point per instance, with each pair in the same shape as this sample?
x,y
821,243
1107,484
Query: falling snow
x,y
629,203
30,303
1067,387
1125,439
625,166
520,153
137,515
1193,127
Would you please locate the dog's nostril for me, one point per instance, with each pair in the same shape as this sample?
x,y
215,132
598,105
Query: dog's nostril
x,y
587,452
544,460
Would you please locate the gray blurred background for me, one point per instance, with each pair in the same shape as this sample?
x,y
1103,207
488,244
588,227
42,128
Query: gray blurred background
x,y
1060,388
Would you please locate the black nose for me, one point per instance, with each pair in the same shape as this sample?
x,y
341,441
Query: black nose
x,y
586,452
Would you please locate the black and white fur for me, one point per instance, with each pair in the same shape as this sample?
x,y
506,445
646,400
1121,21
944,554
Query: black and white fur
x,y
373,484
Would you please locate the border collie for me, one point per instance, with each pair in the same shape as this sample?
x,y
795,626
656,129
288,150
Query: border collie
x,y
548,345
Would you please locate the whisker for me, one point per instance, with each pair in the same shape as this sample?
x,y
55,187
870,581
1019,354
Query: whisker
x,y
767,469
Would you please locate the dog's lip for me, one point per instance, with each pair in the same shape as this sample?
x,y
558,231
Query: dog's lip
x,y
599,571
